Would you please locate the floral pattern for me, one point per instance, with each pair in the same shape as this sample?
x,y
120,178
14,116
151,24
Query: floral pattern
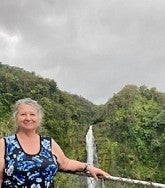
x,y
29,171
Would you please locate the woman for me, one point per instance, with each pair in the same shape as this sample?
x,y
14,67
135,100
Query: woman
x,y
28,159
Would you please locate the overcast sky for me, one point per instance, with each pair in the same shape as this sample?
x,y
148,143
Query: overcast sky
x,y
91,48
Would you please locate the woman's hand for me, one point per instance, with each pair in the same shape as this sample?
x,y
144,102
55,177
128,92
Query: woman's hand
x,y
97,172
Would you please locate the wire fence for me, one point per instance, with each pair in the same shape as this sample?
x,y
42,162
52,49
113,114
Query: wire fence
x,y
82,180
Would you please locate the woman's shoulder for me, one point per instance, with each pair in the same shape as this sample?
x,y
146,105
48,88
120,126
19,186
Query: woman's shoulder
x,y
9,137
45,137
1,140
2,145
46,141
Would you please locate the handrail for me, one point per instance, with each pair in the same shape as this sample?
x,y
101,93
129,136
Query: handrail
x,y
139,182
120,179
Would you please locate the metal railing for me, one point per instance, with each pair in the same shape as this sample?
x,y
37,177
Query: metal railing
x,y
79,180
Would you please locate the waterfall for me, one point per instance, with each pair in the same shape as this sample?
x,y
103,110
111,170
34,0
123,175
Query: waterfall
x,y
90,146
91,154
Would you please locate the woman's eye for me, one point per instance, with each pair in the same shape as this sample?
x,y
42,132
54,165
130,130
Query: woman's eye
x,y
33,114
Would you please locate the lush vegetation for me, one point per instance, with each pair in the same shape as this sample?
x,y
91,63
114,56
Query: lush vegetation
x,y
133,144
129,129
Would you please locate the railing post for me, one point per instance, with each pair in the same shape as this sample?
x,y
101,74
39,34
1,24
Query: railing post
x,y
102,183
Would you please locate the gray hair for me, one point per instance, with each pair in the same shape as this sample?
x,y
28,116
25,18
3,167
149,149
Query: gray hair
x,y
31,102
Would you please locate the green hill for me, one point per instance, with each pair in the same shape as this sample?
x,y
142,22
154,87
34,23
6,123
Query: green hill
x,y
132,138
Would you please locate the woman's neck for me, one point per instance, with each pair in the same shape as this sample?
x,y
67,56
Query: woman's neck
x,y
31,134
27,140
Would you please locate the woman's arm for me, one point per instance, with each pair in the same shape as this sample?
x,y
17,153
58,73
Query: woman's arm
x,y
67,164
2,160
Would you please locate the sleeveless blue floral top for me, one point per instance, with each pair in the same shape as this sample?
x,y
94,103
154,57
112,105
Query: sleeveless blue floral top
x,y
23,170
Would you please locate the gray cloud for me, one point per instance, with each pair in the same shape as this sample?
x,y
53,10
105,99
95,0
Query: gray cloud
x,y
92,48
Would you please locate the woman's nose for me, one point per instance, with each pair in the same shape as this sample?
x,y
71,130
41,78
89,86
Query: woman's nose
x,y
27,117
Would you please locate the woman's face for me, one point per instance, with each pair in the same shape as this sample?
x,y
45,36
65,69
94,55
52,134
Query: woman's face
x,y
27,118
